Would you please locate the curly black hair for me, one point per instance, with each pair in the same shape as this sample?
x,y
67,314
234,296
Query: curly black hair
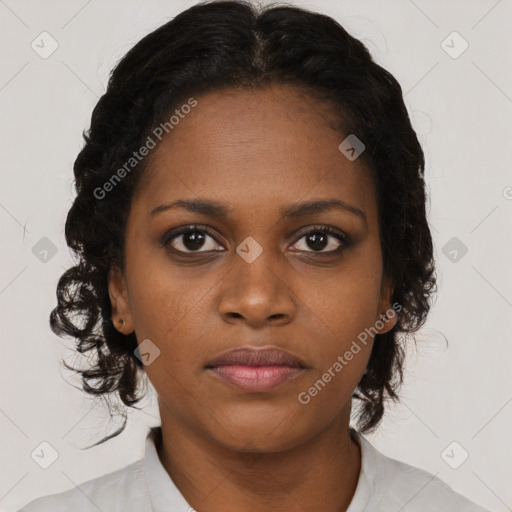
x,y
228,44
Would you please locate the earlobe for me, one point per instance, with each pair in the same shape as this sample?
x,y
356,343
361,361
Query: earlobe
x,y
388,317
118,293
387,321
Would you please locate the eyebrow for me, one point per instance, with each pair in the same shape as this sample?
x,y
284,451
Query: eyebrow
x,y
294,211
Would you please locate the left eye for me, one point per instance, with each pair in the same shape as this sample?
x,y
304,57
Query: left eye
x,y
318,240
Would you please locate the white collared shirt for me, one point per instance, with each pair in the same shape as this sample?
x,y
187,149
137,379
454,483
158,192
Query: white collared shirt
x,y
384,485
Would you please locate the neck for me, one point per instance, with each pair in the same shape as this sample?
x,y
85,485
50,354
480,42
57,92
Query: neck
x,y
321,473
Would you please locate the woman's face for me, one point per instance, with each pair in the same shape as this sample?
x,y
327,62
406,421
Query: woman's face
x,y
258,279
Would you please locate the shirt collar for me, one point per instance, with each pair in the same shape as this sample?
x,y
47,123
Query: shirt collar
x,y
164,494
367,473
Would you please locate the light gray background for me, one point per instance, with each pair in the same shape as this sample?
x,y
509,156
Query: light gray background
x,y
461,110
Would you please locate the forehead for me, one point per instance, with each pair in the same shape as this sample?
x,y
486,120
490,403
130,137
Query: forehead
x,y
255,148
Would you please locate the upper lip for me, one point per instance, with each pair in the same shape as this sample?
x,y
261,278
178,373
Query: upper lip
x,y
250,356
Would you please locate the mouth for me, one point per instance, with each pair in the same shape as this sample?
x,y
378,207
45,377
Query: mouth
x,y
256,370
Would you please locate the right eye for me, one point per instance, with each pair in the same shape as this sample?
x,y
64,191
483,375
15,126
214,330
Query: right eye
x,y
189,239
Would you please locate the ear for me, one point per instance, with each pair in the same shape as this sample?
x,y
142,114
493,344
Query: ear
x,y
387,314
118,293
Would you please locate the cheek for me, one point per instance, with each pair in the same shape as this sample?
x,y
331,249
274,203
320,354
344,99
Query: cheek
x,y
347,299
171,309
161,298
345,310
340,356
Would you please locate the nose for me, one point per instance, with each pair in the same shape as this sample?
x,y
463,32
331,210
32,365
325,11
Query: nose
x,y
257,293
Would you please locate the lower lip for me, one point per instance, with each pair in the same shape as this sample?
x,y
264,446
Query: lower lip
x,y
255,378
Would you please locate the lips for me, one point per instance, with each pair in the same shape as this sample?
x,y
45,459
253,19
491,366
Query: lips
x,y
255,370
249,356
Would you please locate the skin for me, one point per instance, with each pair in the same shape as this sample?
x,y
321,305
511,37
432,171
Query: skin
x,y
254,151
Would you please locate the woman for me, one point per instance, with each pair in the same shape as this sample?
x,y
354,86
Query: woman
x,y
251,234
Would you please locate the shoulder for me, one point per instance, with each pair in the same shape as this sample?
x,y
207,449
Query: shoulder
x,y
119,490
400,486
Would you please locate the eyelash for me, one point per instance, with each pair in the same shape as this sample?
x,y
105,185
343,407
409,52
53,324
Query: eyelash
x,y
339,235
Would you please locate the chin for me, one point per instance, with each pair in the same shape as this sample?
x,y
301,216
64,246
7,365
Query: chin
x,y
263,432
